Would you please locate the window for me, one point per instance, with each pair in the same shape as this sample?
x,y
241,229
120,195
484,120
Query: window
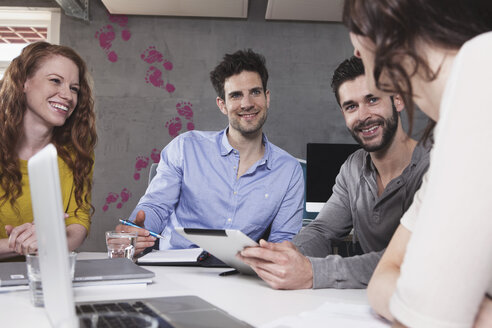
x,y
20,26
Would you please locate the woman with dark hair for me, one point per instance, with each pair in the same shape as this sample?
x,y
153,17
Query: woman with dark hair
x,y
45,97
437,269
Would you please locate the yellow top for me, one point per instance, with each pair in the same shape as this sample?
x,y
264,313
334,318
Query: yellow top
x,y
22,211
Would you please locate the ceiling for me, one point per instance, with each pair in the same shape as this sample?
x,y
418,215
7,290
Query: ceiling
x,y
303,10
200,8
306,10
22,34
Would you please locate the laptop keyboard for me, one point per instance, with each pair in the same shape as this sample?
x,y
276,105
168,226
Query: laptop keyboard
x,y
114,322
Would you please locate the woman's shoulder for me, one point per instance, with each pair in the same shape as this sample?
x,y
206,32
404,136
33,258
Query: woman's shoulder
x,y
479,45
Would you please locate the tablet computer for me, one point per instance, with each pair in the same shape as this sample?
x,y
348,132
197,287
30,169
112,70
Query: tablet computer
x,y
223,244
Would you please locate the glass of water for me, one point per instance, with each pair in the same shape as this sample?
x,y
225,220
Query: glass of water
x,y
34,276
121,244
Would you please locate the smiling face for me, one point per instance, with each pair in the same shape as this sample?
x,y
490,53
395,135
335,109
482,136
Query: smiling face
x,y
371,118
245,104
52,91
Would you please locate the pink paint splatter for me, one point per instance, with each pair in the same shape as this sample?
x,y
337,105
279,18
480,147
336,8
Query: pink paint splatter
x,y
170,88
174,126
125,196
167,65
112,57
106,36
126,35
154,76
185,109
151,55
141,163
110,198
121,20
155,155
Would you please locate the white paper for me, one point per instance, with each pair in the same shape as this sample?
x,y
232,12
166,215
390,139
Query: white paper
x,y
143,281
171,255
13,288
332,315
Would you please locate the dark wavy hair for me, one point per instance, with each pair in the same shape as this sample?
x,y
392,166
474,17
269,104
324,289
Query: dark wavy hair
x,y
74,141
396,27
348,70
232,64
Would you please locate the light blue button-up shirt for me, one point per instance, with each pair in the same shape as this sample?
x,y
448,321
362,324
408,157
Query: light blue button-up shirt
x,y
196,186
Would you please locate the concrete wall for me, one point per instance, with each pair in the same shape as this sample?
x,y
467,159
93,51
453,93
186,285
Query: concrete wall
x,y
151,83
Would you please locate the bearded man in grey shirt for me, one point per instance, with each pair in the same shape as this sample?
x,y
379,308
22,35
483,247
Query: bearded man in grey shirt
x,y
374,188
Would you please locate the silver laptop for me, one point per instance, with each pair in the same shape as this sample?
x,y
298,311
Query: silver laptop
x,y
86,272
178,312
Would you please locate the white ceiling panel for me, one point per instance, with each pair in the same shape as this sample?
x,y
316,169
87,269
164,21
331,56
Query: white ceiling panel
x,y
197,8
305,10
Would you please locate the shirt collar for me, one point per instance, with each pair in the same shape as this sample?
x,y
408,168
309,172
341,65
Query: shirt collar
x,y
226,148
418,153
267,157
368,166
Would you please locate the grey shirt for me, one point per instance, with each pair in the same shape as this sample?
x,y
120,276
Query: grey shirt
x,y
355,204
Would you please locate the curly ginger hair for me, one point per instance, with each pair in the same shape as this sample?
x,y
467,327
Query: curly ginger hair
x,y
75,140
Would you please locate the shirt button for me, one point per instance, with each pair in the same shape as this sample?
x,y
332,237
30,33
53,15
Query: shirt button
x,y
235,193
229,220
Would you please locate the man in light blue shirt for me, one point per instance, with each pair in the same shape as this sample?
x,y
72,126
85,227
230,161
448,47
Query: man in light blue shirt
x,y
231,179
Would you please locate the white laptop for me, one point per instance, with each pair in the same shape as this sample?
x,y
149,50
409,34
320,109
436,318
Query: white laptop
x,y
178,311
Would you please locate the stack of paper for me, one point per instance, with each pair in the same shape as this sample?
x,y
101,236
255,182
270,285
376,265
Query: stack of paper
x,y
171,256
332,315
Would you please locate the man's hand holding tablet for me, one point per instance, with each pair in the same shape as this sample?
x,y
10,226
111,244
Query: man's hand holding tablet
x,y
281,265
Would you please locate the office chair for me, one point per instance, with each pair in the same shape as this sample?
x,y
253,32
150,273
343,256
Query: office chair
x,y
152,171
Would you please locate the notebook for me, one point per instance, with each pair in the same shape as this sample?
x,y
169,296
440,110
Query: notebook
x,y
179,311
181,257
86,272
187,256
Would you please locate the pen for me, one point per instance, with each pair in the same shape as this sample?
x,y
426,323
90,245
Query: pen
x,y
131,224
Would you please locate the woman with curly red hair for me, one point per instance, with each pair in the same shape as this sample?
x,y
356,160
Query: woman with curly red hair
x,y
45,97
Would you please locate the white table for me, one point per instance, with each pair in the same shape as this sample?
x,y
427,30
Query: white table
x,y
247,298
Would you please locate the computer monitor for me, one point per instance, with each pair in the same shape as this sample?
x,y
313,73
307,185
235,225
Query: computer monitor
x,y
323,165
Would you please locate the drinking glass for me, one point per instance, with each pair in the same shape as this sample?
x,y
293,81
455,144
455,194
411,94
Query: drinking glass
x,y
34,276
121,244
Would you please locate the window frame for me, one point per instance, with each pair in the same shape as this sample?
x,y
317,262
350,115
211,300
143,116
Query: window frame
x,y
49,18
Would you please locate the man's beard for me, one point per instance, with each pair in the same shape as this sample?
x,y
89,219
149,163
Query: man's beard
x,y
389,127
249,131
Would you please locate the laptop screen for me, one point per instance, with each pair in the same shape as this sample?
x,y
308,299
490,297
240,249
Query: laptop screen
x,y
323,164
44,180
